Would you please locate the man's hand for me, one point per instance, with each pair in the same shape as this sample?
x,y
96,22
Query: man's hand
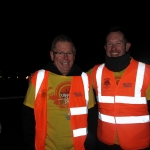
x,y
29,79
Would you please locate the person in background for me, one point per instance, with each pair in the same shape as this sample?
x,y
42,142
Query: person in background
x,y
59,103
122,87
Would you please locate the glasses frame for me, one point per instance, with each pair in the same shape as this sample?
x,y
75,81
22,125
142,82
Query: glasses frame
x,y
61,54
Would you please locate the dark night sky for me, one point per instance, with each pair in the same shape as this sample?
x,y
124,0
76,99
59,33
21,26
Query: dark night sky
x,y
28,29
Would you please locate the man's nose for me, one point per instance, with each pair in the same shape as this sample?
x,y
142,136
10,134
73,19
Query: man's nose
x,y
65,55
113,47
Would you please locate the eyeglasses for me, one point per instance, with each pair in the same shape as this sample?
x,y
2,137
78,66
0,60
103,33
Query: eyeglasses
x,y
61,54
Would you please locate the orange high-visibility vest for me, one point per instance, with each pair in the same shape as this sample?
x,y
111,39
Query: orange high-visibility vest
x,y
78,102
123,108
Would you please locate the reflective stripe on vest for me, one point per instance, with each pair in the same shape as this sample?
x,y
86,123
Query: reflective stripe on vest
x,y
78,112
86,85
40,77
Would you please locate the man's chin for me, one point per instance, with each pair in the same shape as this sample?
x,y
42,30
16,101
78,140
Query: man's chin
x,y
114,55
64,72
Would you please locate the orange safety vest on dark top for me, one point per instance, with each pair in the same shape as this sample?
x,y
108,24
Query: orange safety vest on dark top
x,y
78,102
123,108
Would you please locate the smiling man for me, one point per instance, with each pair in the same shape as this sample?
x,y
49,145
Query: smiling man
x,y
58,102
63,55
122,86
116,44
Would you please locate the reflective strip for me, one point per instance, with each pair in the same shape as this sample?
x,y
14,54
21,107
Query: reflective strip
x,y
122,99
78,110
139,79
124,120
79,132
106,118
98,79
130,100
105,99
40,77
86,86
132,119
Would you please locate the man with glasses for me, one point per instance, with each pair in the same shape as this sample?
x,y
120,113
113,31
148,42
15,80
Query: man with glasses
x,y
55,109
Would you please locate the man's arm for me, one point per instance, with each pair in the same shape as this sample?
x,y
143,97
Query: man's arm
x,y
90,143
148,97
28,123
28,118
148,103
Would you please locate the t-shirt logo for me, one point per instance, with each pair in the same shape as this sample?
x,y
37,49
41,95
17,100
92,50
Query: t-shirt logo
x,y
61,94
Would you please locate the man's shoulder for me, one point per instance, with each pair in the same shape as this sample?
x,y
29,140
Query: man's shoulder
x,y
147,66
95,66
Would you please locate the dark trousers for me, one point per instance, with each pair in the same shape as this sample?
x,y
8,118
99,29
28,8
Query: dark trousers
x,y
102,146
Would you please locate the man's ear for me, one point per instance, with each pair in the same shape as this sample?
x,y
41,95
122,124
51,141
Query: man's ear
x,y
128,45
105,47
51,55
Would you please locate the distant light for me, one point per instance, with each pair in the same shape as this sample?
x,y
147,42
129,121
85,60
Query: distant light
x,y
27,77
8,77
1,77
17,77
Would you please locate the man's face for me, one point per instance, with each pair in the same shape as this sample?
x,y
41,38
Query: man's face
x,y
62,61
116,45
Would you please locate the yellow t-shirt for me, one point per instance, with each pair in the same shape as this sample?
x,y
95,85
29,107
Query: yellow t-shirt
x,y
59,133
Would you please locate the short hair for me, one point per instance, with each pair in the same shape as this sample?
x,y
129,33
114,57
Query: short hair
x,y
62,38
117,29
